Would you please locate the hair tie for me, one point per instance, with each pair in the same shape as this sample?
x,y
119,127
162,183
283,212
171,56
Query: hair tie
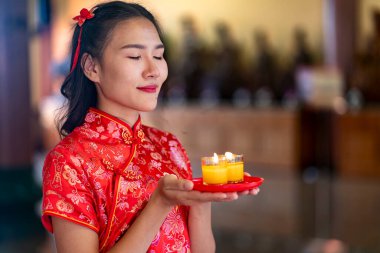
x,y
84,15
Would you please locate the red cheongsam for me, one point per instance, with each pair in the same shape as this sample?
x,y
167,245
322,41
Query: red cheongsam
x,y
103,173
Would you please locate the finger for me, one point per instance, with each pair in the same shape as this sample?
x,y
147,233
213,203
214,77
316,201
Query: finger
x,y
186,185
229,198
206,196
255,191
171,182
192,197
246,192
168,180
247,174
211,196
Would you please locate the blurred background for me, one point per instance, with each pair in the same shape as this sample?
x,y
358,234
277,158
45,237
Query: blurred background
x,y
293,85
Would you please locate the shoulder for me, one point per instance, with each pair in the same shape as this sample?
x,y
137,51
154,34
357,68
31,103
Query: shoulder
x,y
67,188
68,153
68,145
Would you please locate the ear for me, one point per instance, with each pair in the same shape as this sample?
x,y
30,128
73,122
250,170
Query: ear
x,y
90,67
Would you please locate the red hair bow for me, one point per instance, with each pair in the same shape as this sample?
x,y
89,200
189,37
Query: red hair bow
x,y
84,15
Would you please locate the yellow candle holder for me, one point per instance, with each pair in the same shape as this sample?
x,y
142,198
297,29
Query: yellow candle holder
x,y
214,170
235,168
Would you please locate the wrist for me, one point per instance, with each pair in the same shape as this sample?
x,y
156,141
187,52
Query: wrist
x,y
160,202
200,209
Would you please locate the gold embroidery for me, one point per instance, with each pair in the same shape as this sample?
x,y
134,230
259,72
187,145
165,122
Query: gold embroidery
x,y
64,206
133,175
70,175
108,164
127,137
141,134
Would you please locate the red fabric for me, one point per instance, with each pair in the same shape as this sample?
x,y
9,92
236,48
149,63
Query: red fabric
x,y
102,175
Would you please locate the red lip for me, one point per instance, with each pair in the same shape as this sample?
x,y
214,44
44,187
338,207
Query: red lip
x,y
148,88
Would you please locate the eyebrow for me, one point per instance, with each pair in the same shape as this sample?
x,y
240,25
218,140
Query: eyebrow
x,y
139,46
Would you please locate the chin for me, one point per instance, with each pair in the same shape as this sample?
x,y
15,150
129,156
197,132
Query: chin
x,y
148,108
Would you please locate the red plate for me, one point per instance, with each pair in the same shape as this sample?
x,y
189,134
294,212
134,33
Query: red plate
x,y
248,184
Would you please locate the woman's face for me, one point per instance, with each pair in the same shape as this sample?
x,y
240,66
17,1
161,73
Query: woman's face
x,y
132,69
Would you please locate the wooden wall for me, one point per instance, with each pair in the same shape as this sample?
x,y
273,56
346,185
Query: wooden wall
x,y
357,143
347,145
266,137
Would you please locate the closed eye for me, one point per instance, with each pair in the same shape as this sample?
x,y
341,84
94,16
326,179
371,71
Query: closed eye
x,y
134,57
158,57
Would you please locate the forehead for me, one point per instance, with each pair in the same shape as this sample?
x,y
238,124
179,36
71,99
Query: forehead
x,y
134,30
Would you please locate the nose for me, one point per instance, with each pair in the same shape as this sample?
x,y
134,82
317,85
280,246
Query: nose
x,y
151,69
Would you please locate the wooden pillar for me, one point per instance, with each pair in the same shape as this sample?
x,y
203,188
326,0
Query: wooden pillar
x,y
346,22
340,32
15,110
18,192
316,192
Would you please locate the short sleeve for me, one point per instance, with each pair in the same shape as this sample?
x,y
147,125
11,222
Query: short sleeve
x,y
66,191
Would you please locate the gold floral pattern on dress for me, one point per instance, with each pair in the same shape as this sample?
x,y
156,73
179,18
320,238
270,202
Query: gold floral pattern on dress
x,y
76,198
64,206
50,192
156,156
140,135
132,172
108,164
173,223
129,186
127,137
70,175
90,117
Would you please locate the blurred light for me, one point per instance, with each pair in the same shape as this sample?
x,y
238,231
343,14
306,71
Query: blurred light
x,y
310,175
340,105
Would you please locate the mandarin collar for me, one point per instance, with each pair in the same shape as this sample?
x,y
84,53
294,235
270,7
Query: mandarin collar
x,y
128,134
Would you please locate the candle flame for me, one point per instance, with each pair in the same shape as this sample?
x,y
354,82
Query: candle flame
x,y
229,155
215,158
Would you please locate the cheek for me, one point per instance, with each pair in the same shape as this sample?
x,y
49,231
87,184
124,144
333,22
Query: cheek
x,y
119,73
164,71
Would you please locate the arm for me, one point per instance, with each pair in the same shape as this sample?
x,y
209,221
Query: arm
x,y
142,232
201,236
69,236
171,191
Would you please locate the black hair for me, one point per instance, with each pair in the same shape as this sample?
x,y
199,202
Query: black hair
x,y
79,91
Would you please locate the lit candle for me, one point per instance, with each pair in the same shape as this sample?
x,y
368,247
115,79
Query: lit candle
x,y
235,168
214,170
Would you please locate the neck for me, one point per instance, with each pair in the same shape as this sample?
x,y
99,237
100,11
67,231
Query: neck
x,y
127,115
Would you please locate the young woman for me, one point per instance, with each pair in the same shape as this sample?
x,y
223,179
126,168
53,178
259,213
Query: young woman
x,y
113,184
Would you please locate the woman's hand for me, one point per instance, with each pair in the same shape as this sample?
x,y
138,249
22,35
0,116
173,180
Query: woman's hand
x,y
173,191
253,191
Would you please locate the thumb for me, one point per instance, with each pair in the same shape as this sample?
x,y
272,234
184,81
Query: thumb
x,y
171,182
